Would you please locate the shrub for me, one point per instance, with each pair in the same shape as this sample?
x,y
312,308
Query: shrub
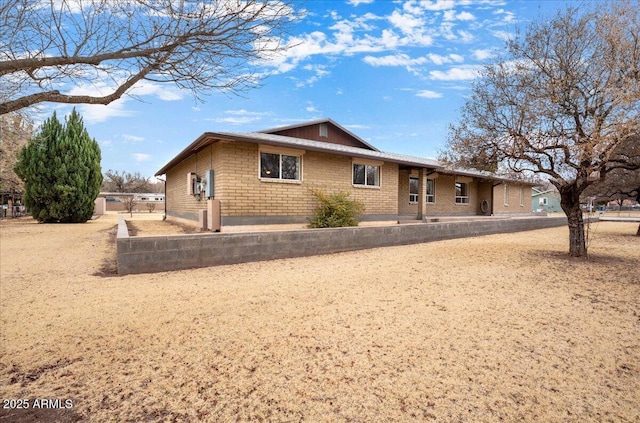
x,y
335,210
60,168
151,207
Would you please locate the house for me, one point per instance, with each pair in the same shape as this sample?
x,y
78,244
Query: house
x,y
115,202
268,177
547,200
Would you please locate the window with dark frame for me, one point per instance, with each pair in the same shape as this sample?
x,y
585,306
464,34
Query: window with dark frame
x,y
462,193
367,175
431,190
413,190
279,166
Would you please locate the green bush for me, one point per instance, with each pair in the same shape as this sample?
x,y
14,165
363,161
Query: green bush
x,y
335,210
61,171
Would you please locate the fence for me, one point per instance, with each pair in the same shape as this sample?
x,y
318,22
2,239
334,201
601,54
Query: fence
x,y
173,252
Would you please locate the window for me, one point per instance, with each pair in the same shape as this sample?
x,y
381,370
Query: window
x,y
542,201
462,193
413,190
431,190
367,175
279,166
506,194
324,132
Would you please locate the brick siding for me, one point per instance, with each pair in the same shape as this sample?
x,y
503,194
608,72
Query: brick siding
x,y
247,199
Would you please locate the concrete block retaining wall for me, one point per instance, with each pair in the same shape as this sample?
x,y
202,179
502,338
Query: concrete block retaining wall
x,y
173,252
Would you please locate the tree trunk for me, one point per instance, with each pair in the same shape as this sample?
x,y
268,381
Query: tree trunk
x,y
638,231
570,203
577,244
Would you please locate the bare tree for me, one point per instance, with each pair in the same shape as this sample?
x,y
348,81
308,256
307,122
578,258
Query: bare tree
x,y
130,203
15,132
620,184
49,47
561,101
116,181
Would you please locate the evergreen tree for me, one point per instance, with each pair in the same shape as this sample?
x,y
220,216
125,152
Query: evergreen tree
x,y
60,168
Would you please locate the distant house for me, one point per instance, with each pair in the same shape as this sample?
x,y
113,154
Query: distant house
x,y
114,201
547,200
267,177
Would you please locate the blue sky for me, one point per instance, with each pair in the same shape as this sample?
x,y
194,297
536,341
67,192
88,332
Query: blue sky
x,y
395,73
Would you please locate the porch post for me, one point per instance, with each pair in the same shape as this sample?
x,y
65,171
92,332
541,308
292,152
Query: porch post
x,y
422,194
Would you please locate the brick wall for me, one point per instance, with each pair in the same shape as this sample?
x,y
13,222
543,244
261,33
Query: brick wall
x,y
177,202
479,191
514,199
445,203
245,198
404,208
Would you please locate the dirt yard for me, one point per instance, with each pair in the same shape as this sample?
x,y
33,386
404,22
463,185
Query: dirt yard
x,y
495,328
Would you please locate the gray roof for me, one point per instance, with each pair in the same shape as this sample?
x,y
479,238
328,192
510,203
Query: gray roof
x,y
325,147
300,143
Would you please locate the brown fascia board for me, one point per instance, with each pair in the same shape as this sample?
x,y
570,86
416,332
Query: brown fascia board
x,y
200,142
483,175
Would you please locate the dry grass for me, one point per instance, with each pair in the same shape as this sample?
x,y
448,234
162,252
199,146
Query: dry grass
x,y
501,327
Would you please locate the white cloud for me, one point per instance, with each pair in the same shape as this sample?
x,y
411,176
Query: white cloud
x,y
456,73
407,23
311,108
503,35
394,60
428,94
441,60
465,16
482,54
410,24
438,4
356,126
141,157
320,71
465,36
164,92
507,17
239,117
451,15
132,138
358,2
95,113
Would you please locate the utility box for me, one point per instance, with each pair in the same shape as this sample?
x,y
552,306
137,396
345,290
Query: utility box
x,y
214,218
209,190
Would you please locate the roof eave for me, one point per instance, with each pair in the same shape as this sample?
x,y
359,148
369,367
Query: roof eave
x,y
200,142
